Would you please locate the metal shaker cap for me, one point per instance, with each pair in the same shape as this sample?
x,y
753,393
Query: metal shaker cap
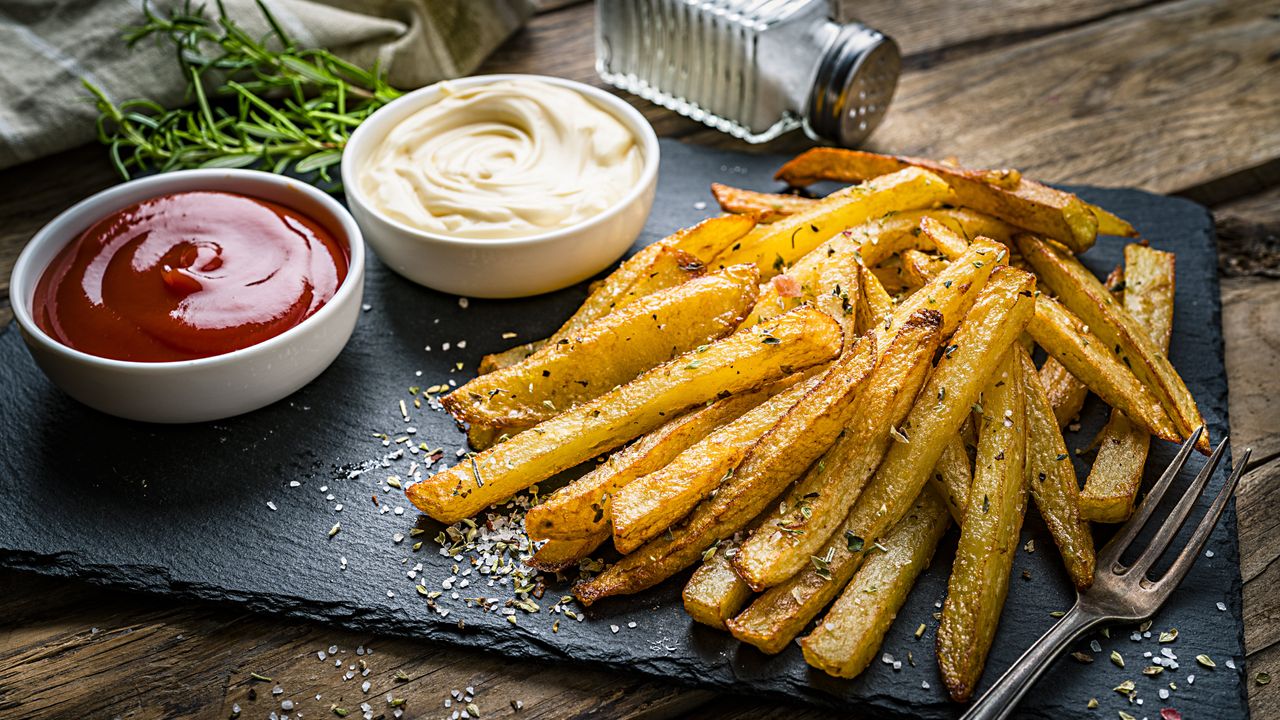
x,y
853,86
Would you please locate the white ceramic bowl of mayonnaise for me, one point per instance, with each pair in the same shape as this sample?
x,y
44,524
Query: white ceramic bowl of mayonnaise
x,y
501,186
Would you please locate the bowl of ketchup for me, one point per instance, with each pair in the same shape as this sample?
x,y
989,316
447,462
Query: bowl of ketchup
x,y
191,296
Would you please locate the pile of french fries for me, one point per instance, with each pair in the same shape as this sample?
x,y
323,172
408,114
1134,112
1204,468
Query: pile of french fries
x,y
799,396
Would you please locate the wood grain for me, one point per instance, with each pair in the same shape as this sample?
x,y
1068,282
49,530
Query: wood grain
x,y
1174,96
1132,100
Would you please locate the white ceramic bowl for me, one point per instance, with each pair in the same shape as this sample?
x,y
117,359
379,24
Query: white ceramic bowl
x,y
207,388
501,268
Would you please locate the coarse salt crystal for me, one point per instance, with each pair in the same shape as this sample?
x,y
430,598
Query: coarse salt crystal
x,y
271,505
294,483
1222,607
321,655
614,628
1208,553
463,303
286,705
364,686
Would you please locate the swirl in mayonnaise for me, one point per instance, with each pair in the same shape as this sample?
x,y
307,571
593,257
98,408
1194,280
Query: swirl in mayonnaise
x,y
510,159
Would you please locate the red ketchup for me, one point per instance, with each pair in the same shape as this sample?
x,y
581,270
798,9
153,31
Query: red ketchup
x,y
187,276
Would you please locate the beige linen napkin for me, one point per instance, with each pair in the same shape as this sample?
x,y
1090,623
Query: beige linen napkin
x,y
47,47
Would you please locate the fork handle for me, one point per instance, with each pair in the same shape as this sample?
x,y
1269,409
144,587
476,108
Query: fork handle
x,y
1002,697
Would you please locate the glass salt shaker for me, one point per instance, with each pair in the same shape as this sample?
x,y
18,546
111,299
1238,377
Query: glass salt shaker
x,y
751,68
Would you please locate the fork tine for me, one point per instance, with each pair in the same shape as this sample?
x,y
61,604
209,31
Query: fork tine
x,y
1187,557
1173,523
1110,555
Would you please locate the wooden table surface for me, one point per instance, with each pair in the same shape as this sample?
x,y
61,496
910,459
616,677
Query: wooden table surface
x,y
1178,97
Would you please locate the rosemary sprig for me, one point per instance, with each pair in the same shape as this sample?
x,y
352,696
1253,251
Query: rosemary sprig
x,y
261,102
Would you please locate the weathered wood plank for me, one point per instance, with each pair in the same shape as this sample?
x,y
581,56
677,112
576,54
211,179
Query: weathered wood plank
x,y
1251,331
72,650
1136,100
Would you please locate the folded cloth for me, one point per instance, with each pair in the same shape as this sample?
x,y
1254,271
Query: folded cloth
x,y
48,47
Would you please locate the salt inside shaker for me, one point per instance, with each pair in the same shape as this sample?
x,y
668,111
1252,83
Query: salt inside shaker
x,y
751,68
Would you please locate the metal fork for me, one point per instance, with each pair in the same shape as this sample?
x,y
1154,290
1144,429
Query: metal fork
x,y
1120,592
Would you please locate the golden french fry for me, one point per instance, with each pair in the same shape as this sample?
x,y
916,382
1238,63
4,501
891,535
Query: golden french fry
x,y
988,535
952,477
766,207
557,555
1086,296
1009,197
581,508
714,592
1068,339
776,246
1002,311
743,361
785,451
641,510
1116,476
1109,224
663,264
1065,392
1052,479
826,277
875,305
820,502
919,267
608,352
850,634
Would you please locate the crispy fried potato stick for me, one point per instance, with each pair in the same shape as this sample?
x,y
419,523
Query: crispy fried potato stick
x,y
1052,479
919,267
826,277
557,555
715,593
784,452
767,207
1109,224
988,535
643,509
820,502
776,246
1068,339
1000,314
1086,296
608,352
663,264
1004,194
850,635
1116,476
581,508
952,477
876,306
743,361
1065,392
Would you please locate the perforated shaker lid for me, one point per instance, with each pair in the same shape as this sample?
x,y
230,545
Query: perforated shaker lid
x,y
854,85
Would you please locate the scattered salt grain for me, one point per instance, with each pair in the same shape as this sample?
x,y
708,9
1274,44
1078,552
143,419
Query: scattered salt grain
x,y
463,303
286,705
271,505
614,628
294,483
364,686
1222,607
1208,553
277,690
700,205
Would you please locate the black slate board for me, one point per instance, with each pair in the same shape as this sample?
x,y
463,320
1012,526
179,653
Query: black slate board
x,y
183,511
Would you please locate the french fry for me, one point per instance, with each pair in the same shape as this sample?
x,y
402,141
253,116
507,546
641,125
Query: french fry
x,y
952,477
776,246
1000,314
581,508
1116,476
714,592
850,634
743,361
608,352
826,277
1052,479
785,451
557,555
988,535
876,306
641,510
767,207
1065,392
1086,357
1014,199
1086,296
919,267
663,264
819,503
1109,224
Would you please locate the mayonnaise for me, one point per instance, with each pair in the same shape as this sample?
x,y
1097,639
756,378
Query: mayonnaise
x,y
510,159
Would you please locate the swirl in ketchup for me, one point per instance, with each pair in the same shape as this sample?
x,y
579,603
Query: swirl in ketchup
x,y
187,276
